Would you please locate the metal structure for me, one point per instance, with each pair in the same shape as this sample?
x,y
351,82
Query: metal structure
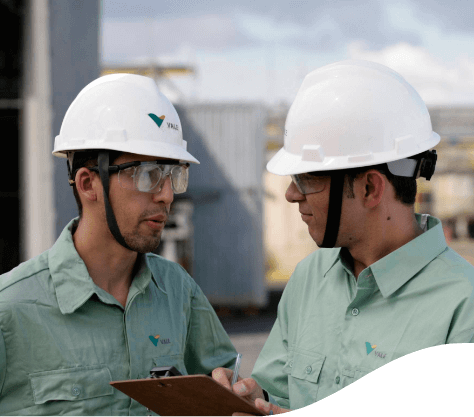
x,y
74,40
50,51
227,194
162,74
12,18
154,71
451,193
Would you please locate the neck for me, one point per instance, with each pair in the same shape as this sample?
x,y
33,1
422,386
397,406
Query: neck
x,y
109,264
384,235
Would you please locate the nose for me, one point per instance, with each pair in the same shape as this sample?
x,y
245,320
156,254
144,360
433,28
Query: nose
x,y
166,194
292,194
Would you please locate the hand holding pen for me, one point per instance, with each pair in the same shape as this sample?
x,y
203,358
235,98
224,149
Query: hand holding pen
x,y
247,388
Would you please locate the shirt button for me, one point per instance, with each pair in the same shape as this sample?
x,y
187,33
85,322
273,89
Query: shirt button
x,y
76,390
291,364
338,379
308,369
355,311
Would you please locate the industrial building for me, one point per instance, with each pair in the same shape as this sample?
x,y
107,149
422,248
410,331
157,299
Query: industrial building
x,y
233,230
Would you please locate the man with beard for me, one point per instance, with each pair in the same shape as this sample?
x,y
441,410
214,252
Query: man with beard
x,y
98,306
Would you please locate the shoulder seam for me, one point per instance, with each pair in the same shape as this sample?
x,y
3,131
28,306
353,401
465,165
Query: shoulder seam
x,y
22,278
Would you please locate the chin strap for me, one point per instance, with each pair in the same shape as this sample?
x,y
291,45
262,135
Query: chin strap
x,y
334,209
103,163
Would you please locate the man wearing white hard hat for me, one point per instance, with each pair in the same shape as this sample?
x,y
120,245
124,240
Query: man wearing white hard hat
x,y
98,306
385,283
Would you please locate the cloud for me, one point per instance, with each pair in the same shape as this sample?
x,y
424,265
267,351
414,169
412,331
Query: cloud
x,y
315,26
438,82
128,39
455,16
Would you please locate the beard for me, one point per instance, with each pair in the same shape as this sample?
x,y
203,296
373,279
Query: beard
x,y
142,243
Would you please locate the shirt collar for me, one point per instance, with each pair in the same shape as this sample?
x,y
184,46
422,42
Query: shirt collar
x,y
71,280
398,267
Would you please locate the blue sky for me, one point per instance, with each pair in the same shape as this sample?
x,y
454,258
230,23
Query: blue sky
x,y
261,50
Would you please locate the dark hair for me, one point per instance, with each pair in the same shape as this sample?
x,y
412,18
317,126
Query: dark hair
x,y
405,188
87,159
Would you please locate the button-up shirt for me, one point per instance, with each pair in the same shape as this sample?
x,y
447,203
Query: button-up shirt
x,y
332,329
63,338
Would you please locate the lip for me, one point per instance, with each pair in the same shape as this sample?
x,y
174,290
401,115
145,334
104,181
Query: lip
x,y
155,225
157,218
156,222
305,216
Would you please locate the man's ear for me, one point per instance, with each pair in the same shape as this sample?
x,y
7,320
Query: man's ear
x,y
87,184
374,184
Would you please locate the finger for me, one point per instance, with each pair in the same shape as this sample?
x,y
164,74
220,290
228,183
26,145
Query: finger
x,y
223,376
248,387
269,408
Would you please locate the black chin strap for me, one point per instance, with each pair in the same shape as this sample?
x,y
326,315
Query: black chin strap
x,y
103,163
334,210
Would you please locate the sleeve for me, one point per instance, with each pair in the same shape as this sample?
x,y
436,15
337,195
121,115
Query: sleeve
x,y
462,324
268,370
465,336
3,361
207,344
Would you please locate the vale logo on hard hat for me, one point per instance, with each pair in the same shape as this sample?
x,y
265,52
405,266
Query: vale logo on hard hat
x,y
156,119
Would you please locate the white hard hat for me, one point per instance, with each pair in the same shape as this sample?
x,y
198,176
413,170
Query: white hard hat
x,y
353,114
123,112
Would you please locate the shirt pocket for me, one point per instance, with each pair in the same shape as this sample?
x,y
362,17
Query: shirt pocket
x,y
360,372
351,375
171,360
71,384
303,371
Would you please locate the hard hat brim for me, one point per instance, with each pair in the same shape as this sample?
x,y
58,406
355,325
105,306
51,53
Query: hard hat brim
x,y
160,150
287,163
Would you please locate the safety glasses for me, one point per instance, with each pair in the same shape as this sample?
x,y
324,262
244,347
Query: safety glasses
x,y
149,177
307,183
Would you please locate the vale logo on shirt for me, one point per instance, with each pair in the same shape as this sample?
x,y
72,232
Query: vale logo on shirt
x,y
370,347
156,339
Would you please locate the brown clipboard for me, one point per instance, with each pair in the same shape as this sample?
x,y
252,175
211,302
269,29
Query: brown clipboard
x,y
187,395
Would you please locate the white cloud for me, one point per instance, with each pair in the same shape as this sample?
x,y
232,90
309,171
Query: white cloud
x,y
438,82
129,39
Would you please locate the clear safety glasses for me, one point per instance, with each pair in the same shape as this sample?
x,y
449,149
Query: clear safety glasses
x,y
307,183
149,177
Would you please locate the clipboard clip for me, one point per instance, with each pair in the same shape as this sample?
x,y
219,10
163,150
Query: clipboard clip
x,y
163,372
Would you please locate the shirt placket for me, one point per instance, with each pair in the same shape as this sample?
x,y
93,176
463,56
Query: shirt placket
x,y
354,320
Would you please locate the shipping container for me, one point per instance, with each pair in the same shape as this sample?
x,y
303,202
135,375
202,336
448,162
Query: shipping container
x,y
227,196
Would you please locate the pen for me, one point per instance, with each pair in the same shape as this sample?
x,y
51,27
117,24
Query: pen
x,y
236,369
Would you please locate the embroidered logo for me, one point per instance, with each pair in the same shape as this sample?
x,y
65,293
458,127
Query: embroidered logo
x,y
156,119
165,341
154,339
369,347
380,354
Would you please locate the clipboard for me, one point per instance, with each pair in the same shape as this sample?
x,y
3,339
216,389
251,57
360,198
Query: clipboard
x,y
187,395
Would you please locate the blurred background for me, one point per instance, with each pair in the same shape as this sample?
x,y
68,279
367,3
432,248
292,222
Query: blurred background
x,y
232,71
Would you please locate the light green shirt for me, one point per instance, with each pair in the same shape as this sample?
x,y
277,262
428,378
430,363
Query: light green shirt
x,y
63,339
332,329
